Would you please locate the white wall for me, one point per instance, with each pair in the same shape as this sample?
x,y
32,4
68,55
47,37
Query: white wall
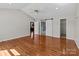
x,y
56,27
13,23
76,27
53,27
76,31
36,27
49,27
70,28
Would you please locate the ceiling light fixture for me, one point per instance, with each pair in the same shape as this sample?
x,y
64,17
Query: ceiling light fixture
x,y
36,11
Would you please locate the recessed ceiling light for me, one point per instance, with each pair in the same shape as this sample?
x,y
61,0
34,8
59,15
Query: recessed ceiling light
x,y
56,8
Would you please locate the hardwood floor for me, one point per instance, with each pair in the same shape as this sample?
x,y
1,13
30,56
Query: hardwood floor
x,y
39,46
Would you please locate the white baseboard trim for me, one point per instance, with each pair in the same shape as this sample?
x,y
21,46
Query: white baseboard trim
x,y
76,44
14,37
70,38
56,36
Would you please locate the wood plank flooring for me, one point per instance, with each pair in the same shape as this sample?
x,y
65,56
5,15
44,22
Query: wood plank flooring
x,y
39,46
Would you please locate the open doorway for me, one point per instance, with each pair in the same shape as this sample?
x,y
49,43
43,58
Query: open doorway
x,y
62,28
63,36
43,28
32,29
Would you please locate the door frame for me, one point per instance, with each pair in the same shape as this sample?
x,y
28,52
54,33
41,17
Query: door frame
x,y
33,28
65,28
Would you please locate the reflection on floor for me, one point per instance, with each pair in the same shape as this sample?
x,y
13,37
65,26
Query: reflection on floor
x,y
9,52
4,52
38,46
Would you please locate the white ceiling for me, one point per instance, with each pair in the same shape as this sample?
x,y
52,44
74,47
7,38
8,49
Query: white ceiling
x,y
49,10
13,5
46,10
